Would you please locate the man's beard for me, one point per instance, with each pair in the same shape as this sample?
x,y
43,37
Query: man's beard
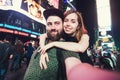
x,y
54,37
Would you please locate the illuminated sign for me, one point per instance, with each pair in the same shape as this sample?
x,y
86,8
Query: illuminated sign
x,y
104,19
14,18
24,34
16,32
35,33
34,36
6,30
16,28
1,25
25,30
12,27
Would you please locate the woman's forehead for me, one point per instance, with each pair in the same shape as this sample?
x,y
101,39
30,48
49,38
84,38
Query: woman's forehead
x,y
71,16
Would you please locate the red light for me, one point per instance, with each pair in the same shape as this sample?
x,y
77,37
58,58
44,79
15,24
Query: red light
x,y
24,34
6,30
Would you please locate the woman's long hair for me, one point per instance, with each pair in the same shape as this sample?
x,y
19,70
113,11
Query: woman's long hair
x,y
81,27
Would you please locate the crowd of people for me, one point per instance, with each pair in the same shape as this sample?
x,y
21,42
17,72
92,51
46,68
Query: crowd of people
x,y
105,58
13,53
63,52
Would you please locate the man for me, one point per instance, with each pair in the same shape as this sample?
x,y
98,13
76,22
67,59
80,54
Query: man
x,y
6,51
54,18
30,50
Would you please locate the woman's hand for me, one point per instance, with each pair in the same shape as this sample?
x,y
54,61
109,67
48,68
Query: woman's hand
x,y
46,47
43,59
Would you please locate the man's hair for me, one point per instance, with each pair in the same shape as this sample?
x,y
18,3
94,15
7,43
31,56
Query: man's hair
x,y
53,12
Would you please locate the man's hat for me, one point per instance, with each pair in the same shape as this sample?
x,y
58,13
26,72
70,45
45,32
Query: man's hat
x,y
53,12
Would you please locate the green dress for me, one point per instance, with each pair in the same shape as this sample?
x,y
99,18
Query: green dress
x,y
34,72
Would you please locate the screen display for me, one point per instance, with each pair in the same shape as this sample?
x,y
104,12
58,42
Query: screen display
x,y
36,7
33,7
25,15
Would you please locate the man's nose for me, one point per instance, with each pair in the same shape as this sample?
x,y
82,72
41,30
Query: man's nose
x,y
53,26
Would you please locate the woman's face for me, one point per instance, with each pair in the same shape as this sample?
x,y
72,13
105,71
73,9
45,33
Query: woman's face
x,y
71,24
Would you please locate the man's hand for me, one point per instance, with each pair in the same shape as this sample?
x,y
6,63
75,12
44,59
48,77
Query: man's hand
x,y
43,59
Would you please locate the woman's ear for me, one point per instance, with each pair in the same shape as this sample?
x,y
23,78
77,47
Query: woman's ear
x,y
78,27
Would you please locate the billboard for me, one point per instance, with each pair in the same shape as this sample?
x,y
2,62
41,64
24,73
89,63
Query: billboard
x,y
6,3
25,15
32,8
36,7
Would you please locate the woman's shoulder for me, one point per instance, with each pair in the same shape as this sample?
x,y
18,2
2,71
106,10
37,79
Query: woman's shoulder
x,y
85,36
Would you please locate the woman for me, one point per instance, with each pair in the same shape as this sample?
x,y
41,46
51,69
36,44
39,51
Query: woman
x,y
76,37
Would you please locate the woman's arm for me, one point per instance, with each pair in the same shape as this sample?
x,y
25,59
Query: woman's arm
x,y
81,46
42,40
43,57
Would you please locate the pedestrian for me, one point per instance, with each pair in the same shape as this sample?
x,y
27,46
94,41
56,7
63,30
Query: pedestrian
x,y
6,53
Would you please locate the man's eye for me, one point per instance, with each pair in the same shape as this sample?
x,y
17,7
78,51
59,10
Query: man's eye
x,y
57,23
49,24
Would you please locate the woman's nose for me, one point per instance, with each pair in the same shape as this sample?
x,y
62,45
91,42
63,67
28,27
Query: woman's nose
x,y
67,24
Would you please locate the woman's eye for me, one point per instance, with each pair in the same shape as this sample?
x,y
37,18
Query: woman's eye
x,y
65,20
73,21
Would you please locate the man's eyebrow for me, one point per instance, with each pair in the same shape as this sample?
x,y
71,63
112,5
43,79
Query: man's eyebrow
x,y
49,22
57,21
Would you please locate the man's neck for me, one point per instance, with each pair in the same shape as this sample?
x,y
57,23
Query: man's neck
x,y
53,41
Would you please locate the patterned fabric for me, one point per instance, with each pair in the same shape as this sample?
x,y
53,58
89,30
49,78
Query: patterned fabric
x,y
35,73
82,56
67,54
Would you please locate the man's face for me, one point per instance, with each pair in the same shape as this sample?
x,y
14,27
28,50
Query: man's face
x,y
54,27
